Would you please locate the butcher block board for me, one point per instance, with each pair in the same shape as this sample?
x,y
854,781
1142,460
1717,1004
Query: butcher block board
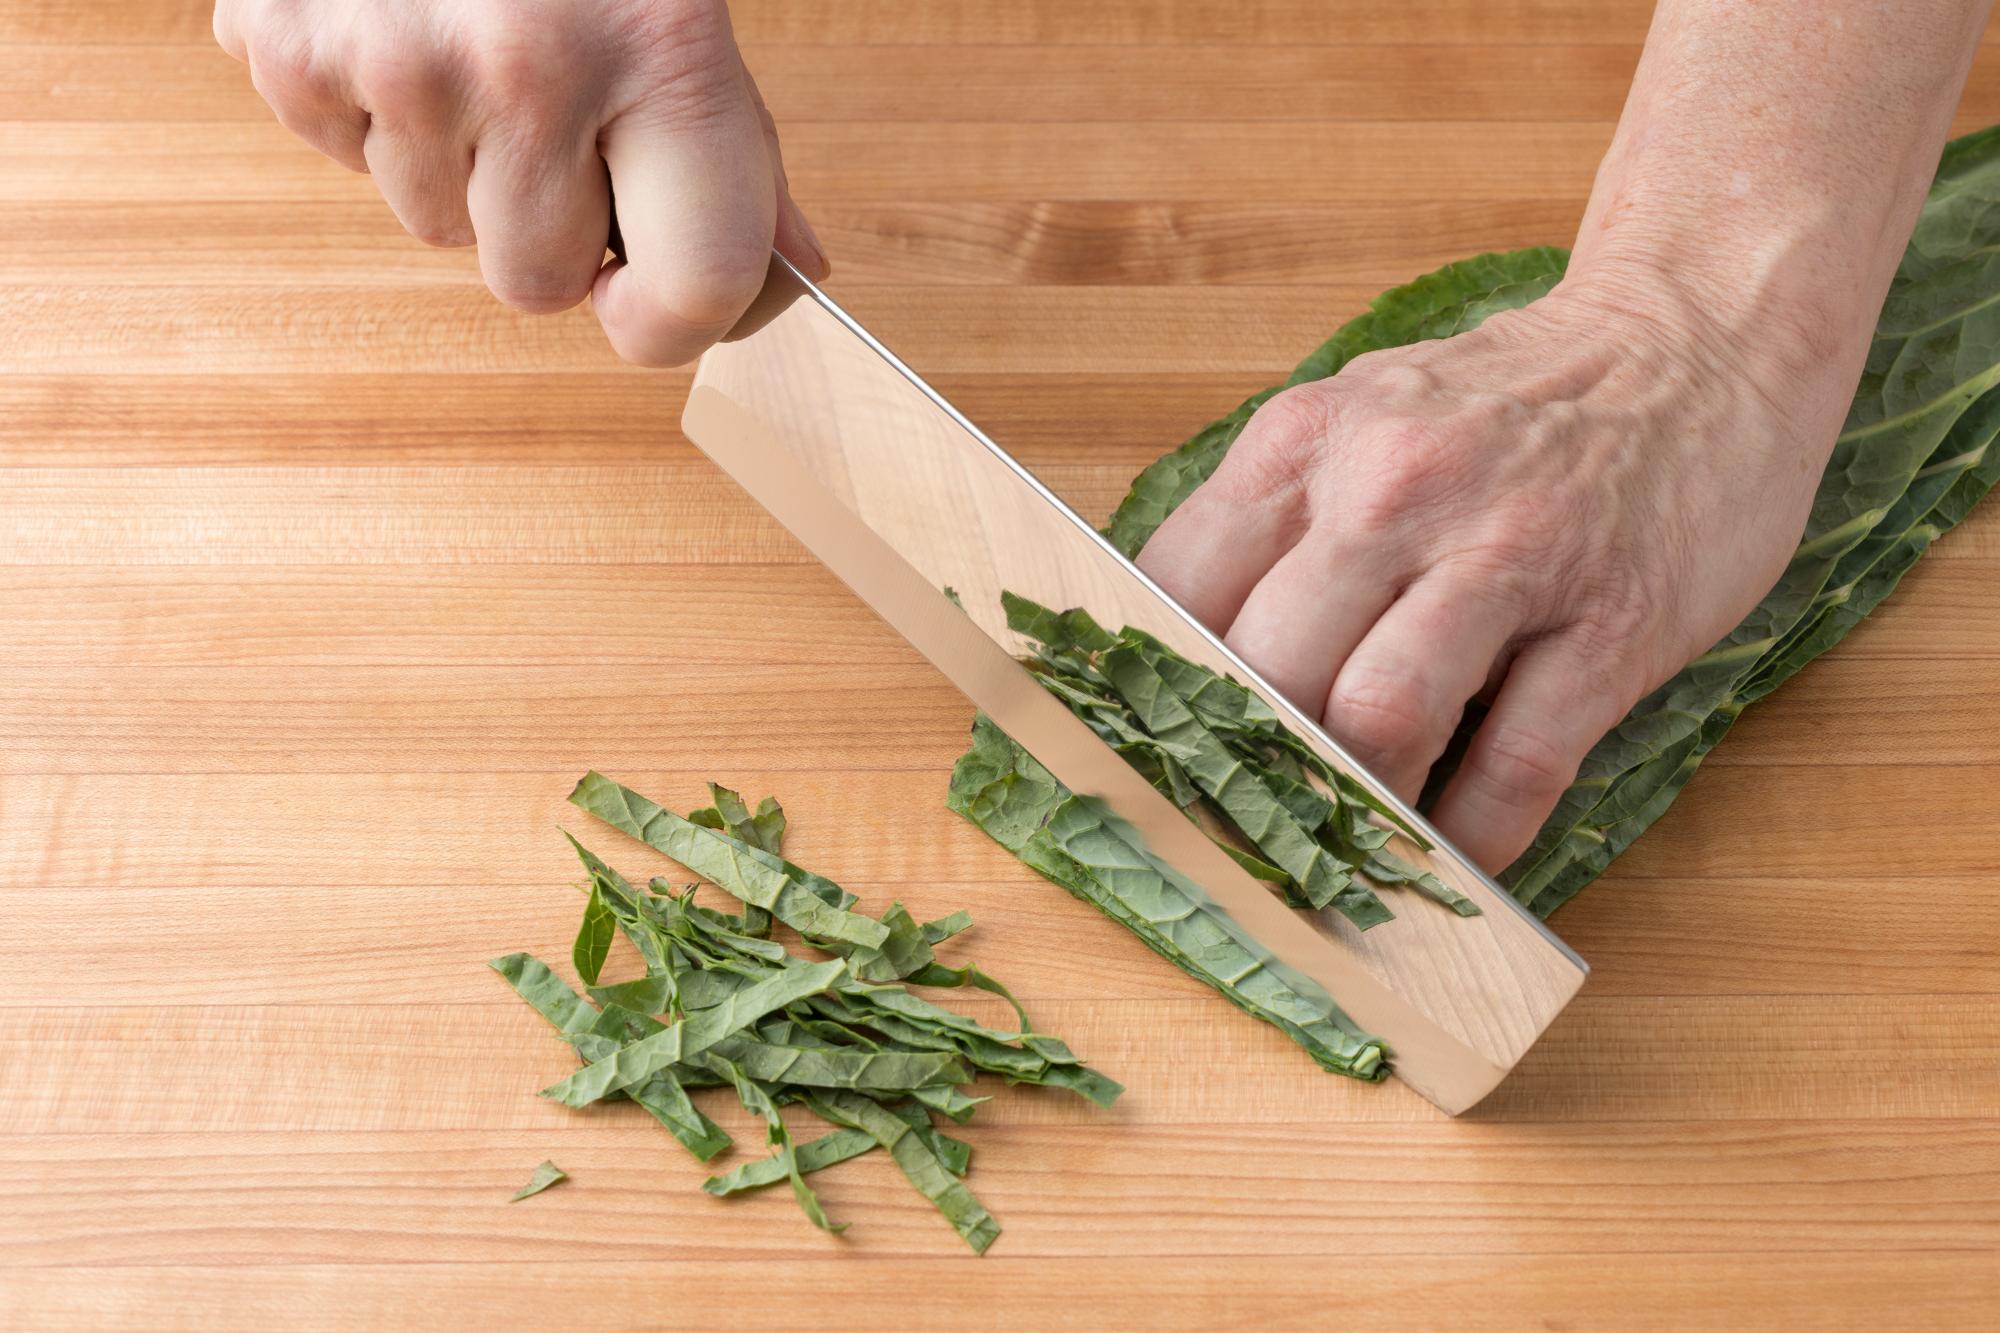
x,y
322,578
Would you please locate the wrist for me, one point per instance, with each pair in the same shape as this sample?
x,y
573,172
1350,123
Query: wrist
x,y
1799,343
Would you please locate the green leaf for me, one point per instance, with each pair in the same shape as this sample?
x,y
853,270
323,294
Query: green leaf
x,y
593,937
757,1100
650,994
949,1101
751,873
694,1034
547,1174
855,1070
813,1155
1242,795
743,826
1085,848
662,1096
968,1217
945,927
953,1154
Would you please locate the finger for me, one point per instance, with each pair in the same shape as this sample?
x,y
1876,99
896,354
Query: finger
x,y
227,25
1225,537
422,171
1302,620
308,97
795,239
1397,699
540,208
698,214
1557,701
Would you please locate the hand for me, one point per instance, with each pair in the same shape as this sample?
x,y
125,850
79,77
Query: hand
x,y
1556,511
495,122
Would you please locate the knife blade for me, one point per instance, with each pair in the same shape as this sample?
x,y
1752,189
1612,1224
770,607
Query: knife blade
x,y
902,497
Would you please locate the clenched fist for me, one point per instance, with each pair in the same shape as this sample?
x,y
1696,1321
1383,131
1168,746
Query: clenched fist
x,y
510,125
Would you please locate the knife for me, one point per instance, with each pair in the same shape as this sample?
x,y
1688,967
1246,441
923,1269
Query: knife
x,y
902,498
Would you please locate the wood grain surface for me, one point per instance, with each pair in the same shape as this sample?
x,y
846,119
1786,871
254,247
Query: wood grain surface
x,y
322,577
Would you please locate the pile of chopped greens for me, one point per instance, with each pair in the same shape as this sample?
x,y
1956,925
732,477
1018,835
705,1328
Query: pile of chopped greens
x,y
722,1003
1912,459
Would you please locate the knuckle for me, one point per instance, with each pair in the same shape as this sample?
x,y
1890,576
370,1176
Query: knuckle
x,y
515,59
541,291
285,69
710,294
1277,453
1377,711
1619,615
675,317
402,82
1407,464
1525,766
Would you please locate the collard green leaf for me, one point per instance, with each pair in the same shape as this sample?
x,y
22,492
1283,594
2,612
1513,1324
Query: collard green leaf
x,y
906,950
945,927
1001,788
813,1155
867,1071
593,936
953,1154
751,873
650,994
662,1096
950,1102
737,1009
742,825
756,1099
547,1174
694,1034
968,1217
1085,845
546,992
1322,878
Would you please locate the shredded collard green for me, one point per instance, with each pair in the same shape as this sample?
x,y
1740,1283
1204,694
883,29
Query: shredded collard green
x,y
1915,455
547,1174
723,1004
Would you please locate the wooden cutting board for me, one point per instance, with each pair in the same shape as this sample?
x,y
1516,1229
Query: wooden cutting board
x,y
322,578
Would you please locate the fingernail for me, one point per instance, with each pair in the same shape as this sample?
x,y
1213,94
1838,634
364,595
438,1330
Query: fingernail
x,y
811,238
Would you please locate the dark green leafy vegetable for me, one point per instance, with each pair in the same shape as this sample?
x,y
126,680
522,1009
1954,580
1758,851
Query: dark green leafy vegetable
x,y
722,1004
1221,754
756,1099
751,873
547,1174
593,937
1000,787
968,1217
808,1157
682,1041
663,1097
